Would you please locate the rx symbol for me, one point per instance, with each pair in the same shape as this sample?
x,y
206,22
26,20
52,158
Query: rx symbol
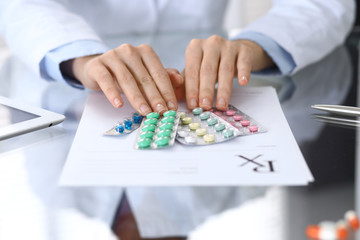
x,y
260,167
248,160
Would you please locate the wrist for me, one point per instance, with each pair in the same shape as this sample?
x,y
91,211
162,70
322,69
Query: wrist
x,y
73,68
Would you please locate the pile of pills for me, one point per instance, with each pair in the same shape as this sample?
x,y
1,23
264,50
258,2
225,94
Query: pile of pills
x,y
331,230
126,126
203,128
244,123
158,132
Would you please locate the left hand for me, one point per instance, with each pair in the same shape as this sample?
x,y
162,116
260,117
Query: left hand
x,y
216,59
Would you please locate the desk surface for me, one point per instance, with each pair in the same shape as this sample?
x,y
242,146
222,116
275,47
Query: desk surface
x,y
32,206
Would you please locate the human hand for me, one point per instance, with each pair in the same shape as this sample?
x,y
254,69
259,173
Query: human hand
x,y
137,71
216,59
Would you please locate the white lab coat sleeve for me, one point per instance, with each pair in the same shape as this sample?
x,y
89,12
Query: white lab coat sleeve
x,y
33,28
307,29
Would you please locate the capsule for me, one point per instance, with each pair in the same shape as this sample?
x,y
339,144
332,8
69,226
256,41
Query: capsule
x,y
327,231
352,219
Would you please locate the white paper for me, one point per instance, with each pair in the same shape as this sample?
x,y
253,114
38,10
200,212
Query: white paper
x,y
98,160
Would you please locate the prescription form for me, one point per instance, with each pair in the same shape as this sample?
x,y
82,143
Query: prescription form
x,y
262,159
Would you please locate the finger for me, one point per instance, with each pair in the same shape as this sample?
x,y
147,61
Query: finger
x,y
159,75
132,59
226,77
127,82
175,77
106,83
208,76
180,93
244,65
193,57
177,81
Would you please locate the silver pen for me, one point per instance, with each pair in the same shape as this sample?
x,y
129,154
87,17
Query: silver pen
x,y
338,109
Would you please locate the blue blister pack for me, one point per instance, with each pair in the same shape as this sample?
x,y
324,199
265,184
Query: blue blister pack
x,y
126,126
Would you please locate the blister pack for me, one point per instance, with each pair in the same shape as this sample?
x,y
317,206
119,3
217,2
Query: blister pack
x,y
158,132
204,128
126,126
243,122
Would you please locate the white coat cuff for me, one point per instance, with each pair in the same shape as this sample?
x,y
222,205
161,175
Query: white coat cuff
x,y
283,60
50,64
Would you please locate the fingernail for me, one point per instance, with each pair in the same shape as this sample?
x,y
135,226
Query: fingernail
x,y
171,105
193,103
160,108
144,109
243,81
117,102
221,103
206,103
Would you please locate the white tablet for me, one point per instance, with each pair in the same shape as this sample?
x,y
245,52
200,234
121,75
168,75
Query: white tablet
x,y
17,118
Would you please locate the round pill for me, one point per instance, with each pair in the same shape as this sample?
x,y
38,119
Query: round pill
x,y
182,133
164,133
168,119
165,126
219,127
194,126
230,112
146,135
201,131
150,121
144,143
228,133
190,139
253,128
182,115
237,118
128,123
209,138
148,128
170,113
153,115
218,113
137,118
186,120
212,121
245,123
204,115
197,111
162,141
119,128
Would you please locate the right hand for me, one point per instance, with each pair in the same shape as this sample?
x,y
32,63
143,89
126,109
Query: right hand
x,y
137,71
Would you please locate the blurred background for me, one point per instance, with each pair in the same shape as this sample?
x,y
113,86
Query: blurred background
x,y
252,9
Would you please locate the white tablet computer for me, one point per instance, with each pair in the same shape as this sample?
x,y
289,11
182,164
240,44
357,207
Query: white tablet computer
x,y
17,118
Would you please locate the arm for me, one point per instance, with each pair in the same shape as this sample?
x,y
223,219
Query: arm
x,y
43,34
307,29
34,28
292,35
